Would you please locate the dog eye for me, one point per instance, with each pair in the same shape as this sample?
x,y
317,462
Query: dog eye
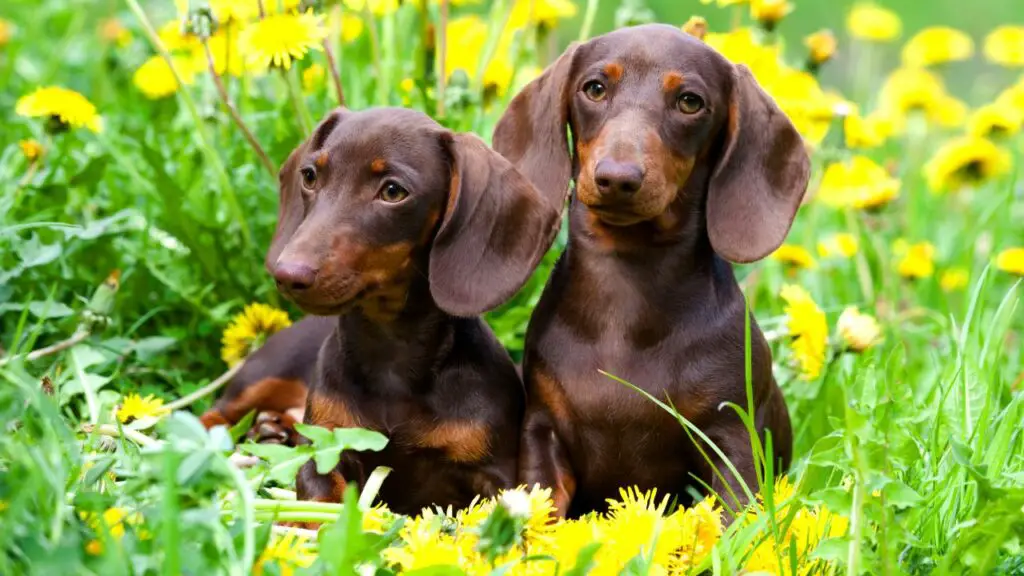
x,y
594,90
308,176
392,193
689,103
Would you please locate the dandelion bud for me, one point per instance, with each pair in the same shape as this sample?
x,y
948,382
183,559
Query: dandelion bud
x,y
769,12
696,27
859,331
821,47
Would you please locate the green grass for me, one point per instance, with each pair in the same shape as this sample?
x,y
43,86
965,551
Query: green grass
x,y
918,441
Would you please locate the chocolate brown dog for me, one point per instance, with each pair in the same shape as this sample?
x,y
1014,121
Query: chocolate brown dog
x,y
273,383
407,232
681,162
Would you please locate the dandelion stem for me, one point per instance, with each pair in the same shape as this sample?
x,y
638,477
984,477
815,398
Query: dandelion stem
x,y
204,139
442,54
375,52
332,67
233,112
588,19
205,390
115,432
295,95
76,338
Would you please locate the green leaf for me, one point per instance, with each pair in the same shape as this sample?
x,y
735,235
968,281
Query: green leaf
x,y
900,495
584,560
91,174
285,461
329,444
238,431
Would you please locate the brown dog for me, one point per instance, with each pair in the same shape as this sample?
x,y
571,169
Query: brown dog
x,y
273,383
681,162
407,232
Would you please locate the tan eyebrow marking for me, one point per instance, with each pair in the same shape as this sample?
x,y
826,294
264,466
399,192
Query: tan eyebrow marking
x,y
671,81
378,166
321,160
613,70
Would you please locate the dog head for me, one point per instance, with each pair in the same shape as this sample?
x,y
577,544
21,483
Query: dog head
x,y
374,199
650,108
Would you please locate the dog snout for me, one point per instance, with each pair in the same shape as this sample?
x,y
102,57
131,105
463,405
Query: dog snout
x,y
618,178
294,276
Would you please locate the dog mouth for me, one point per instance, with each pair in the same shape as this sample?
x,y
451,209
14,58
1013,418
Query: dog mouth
x,y
327,300
616,216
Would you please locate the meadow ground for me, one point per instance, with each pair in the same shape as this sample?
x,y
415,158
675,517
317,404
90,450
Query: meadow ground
x,y
138,169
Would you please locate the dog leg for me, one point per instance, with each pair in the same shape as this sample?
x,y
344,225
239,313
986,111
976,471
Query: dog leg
x,y
543,460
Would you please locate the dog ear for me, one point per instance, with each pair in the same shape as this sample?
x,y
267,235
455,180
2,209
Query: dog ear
x,y
532,133
291,210
760,177
495,230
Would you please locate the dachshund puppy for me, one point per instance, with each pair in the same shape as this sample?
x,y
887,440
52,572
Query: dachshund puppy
x,y
681,164
406,232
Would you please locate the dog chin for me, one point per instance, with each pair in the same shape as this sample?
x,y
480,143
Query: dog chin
x,y
327,308
618,218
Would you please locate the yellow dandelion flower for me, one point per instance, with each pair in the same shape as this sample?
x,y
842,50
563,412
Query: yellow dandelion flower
x,y
407,85
378,519
286,552
964,161
769,12
996,120
743,47
867,131
937,45
916,261
377,7
474,514
424,545
800,96
909,90
701,527
6,31
858,331
1005,45
806,324
872,22
635,524
821,47
954,279
113,32
696,26
857,183
350,23
135,407
226,53
249,329
31,149
173,39
156,80
796,257
842,245
113,521
544,13
66,108
279,39
567,538
1011,260
313,77
466,37
1013,97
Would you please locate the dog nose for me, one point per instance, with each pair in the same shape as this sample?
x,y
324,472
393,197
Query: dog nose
x,y
618,177
294,275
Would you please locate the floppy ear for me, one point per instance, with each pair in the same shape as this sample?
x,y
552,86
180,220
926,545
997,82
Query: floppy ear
x,y
291,211
532,135
495,230
760,178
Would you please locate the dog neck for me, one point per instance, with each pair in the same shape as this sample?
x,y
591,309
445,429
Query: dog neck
x,y
405,344
665,260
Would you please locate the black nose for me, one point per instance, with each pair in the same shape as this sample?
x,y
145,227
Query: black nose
x,y
619,178
294,275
